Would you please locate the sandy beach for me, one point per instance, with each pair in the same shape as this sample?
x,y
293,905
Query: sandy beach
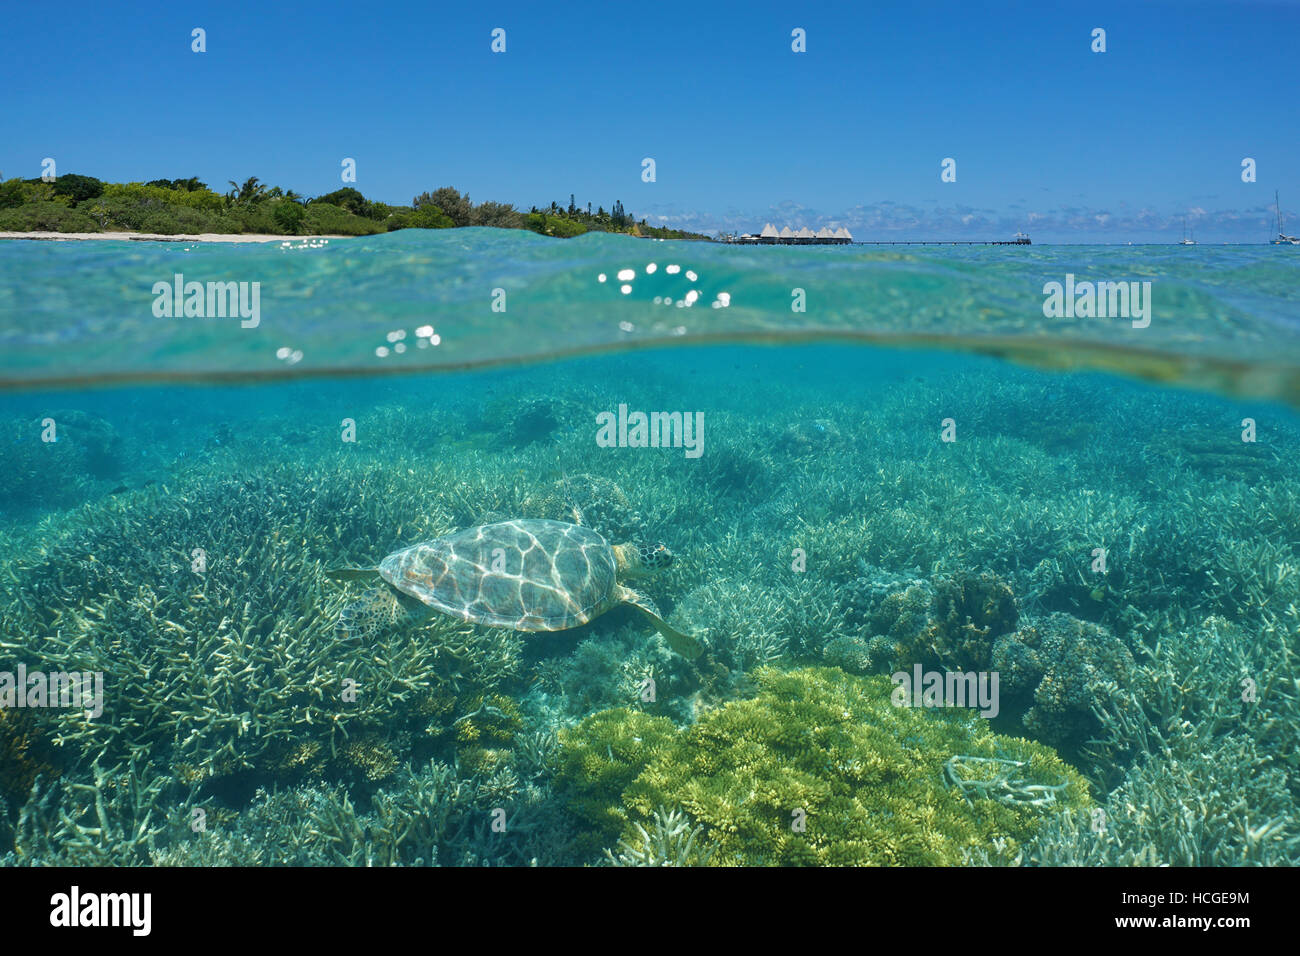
x,y
159,237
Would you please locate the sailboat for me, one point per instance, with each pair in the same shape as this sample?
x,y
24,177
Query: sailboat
x,y
1282,238
1186,241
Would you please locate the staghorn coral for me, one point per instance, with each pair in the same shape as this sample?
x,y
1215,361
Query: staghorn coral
x,y
233,669
815,745
593,501
1217,453
752,623
732,469
1211,733
1226,805
115,815
409,823
130,815
670,843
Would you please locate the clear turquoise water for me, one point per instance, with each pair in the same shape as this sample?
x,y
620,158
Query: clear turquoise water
x,y
1221,316
184,433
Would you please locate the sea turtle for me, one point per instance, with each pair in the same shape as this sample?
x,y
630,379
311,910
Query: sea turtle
x,y
529,574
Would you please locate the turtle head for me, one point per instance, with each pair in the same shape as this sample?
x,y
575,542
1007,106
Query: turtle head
x,y
635,559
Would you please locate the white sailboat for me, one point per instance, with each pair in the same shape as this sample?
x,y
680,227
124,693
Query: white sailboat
x,y
1282,238
1186,241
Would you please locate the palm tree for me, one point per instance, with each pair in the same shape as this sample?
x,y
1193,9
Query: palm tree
x,y
251,191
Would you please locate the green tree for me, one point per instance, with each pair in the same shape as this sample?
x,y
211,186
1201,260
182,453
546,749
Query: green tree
x,y
450,201
288,216
251,191
191,185
429,216
498,215
78,188
349,199
11,193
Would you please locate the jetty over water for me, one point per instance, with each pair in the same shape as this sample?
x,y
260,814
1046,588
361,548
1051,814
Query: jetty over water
x,y
770,236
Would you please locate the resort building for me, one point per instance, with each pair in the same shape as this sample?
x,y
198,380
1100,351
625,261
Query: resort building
x,y
804,236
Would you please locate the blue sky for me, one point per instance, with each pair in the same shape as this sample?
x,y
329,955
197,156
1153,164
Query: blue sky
x,y
1048,137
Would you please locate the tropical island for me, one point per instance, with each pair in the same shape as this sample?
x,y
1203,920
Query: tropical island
x,y
74,203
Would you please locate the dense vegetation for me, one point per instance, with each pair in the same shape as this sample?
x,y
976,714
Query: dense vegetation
x,y
74,203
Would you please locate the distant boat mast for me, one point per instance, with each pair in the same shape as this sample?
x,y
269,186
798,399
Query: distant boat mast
x,y
1282,238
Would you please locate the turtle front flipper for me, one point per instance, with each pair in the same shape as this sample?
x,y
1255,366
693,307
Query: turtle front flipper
x,y
683,644
379,610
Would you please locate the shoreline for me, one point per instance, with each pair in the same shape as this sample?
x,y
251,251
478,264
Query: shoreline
x,y
159,237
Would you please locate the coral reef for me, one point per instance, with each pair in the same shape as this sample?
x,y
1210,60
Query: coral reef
x,y
1217,453
1056,671
593,501
612,670
87,450
968,610
950,622
109,816
671,842
820,767
813,436
859,655
26,753
518,423
824,525
230,666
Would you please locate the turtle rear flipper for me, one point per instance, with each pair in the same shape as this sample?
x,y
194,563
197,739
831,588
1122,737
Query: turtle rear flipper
x,y
683,644
378,611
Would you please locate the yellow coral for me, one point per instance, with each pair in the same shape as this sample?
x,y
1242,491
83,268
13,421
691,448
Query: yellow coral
x,y
820,768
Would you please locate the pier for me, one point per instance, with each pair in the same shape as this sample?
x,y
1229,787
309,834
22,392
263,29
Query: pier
x,y
1021,241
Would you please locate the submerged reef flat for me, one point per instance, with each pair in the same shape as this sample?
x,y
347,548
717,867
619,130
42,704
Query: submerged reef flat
x,y
826,539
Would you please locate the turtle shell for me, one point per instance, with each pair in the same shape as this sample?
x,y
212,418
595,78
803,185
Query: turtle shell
x,y
528,574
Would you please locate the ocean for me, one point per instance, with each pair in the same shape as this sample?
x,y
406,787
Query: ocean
x,y
974,555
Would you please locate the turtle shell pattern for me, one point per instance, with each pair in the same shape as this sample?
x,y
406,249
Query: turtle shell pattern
x,y
528,574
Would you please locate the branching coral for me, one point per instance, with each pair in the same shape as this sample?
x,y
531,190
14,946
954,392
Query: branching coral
x,y
670,842
207,613
1000,779
820,767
